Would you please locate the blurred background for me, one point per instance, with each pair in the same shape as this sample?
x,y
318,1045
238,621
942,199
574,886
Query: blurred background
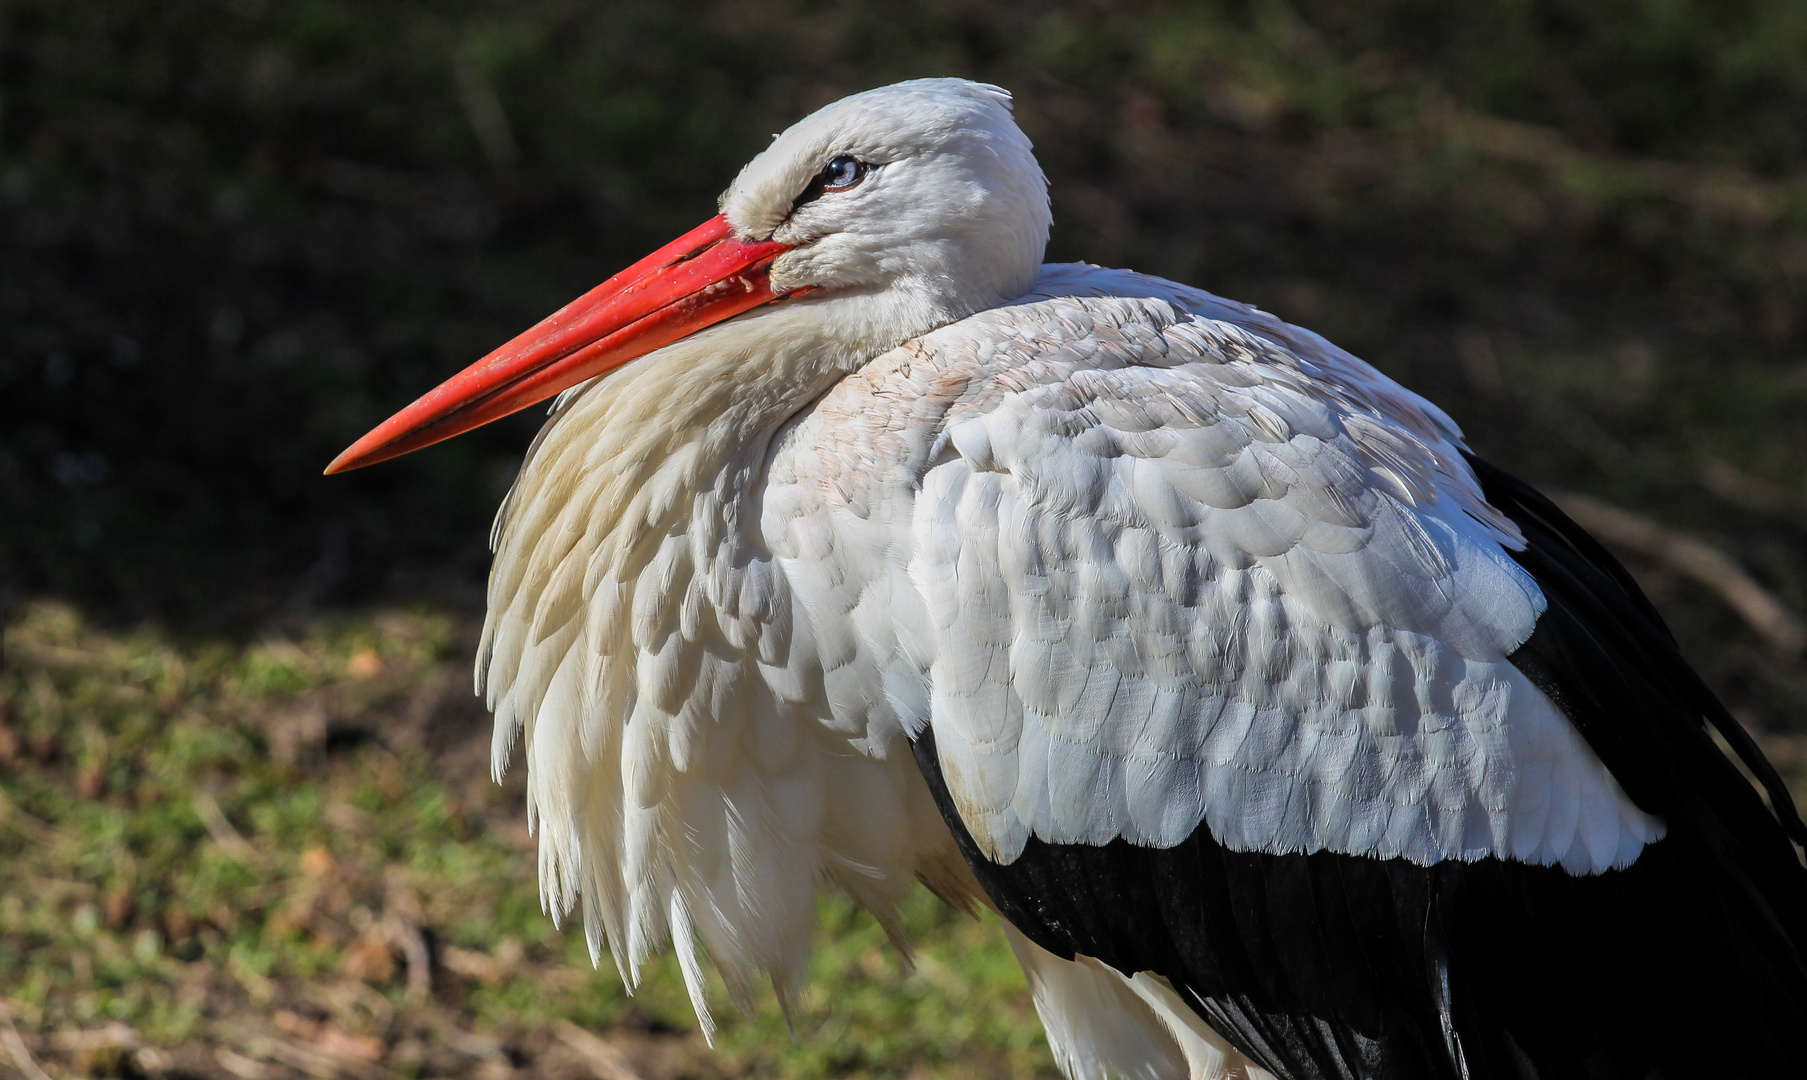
x,y
245,822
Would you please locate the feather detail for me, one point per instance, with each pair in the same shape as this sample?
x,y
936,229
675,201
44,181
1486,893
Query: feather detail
x,y
1145,559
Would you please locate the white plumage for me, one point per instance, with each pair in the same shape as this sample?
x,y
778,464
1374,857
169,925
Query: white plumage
x,y
1139,559
1103,1025
1150,576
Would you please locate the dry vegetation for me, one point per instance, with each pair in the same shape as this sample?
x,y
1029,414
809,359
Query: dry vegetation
x,y
287,859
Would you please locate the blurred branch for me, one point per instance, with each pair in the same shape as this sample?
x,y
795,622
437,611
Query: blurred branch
x,y
1688,555
1721,192
413,945
83,1040
604,1060
229,838
484,110
34,829
9,1033
1741,488
239,1065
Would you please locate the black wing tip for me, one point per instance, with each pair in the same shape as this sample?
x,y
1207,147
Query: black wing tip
x,y
1533,510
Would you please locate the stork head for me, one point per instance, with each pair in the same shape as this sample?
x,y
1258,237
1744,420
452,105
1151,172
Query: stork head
x,y
926,191
899,210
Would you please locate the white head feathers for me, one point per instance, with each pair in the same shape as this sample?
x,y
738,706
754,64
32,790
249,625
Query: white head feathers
x,y
950,214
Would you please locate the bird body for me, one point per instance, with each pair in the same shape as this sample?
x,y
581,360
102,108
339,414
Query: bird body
x,y
1287,737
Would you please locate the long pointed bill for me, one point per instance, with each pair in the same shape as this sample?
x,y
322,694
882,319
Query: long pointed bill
x,y
695,281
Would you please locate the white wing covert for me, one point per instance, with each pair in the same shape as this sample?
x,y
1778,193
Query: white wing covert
x,y
1170,561
1144,558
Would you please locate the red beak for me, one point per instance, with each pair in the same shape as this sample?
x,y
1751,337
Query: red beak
x,y
697,280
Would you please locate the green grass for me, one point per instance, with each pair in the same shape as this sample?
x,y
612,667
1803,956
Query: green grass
x,y
228,847
214,858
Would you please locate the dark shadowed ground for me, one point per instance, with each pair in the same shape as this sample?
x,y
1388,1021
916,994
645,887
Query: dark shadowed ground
x,y
234,234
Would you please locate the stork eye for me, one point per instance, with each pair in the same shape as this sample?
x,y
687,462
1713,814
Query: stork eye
x,y
842,173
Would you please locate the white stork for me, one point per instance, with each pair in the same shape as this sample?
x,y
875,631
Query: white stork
x,y
1286,736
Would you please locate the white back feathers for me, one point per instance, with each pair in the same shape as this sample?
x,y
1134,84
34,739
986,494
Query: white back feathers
x,y
1162,568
